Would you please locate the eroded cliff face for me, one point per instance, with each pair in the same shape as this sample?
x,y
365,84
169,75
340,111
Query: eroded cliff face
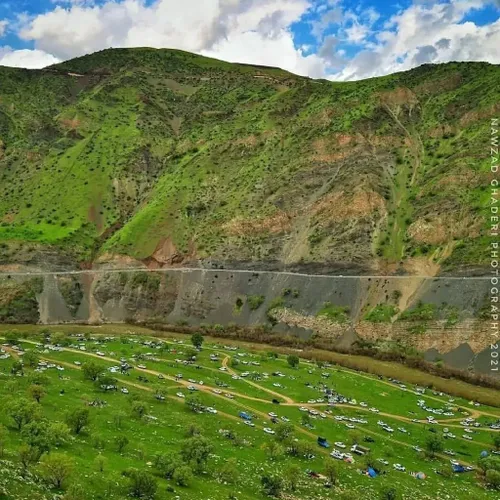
x,y
443,317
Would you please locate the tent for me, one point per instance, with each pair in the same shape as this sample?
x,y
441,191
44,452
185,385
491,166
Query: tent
x,y
371,472
484,454
420,475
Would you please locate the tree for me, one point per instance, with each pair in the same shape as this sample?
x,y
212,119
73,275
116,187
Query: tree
x,y
142,484
3,439
22,411
92,370
78,419
306,419
38,378
489,463
17,367
273,449
433,445
28,456
12,338
493,479
167,463
183,475
292,475
229,471
193,402
56,468
59,433
331,471
389,494
195,452
197,340
31,359
121,442
496,441
37,392
190,354
138,409
284,431
271,485
293,360
37,435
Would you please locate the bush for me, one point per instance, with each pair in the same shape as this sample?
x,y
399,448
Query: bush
x,y
255,301
382,313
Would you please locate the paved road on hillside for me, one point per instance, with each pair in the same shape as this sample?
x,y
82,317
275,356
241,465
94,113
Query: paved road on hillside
x,y
233,271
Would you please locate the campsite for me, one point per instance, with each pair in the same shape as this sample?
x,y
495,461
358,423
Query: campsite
x,y
270,423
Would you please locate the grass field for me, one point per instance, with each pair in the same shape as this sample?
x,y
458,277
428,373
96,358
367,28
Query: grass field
x,y
232,467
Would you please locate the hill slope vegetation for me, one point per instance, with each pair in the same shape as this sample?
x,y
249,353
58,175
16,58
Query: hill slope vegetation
x,y
163,157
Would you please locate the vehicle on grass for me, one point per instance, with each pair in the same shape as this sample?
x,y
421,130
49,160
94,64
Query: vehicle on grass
x,y
323,442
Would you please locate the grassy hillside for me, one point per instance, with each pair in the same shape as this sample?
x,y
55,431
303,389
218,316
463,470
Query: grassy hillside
x,y
173,429
166,156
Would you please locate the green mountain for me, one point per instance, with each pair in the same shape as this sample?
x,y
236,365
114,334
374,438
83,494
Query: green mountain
x,y
165,157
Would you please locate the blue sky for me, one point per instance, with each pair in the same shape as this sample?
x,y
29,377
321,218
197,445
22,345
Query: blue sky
x,y
336,39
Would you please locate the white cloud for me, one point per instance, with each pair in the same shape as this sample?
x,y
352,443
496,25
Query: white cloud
x,y
3,27
35,59
259,32
250,31
427,33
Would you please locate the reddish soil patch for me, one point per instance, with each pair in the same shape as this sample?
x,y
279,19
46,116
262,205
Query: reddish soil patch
x,y
274,224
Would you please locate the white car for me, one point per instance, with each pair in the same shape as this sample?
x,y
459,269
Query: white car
x,y
142,367
230,396
180,395
192,388
124,390
223,369
374,410
469,431
363,404
249,423
399,467
465,436
382,461
211,410
403,430
78,363
272,414
216,391
338,417
417,449
302,408
235,377
337,454
267,430
339,444
285,419
350,426
449,452
454,462
388,429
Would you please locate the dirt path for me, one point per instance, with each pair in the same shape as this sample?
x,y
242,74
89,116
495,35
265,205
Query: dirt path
x,y
269,391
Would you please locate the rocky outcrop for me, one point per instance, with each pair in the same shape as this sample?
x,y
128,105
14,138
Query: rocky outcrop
x,y
289,303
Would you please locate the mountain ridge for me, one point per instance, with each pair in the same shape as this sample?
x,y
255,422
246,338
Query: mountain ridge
x,y
165,158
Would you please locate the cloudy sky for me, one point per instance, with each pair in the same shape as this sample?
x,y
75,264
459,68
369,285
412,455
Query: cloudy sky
x,y
336,39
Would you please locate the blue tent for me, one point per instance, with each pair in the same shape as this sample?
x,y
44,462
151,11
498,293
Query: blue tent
x,y
484,454
371,472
